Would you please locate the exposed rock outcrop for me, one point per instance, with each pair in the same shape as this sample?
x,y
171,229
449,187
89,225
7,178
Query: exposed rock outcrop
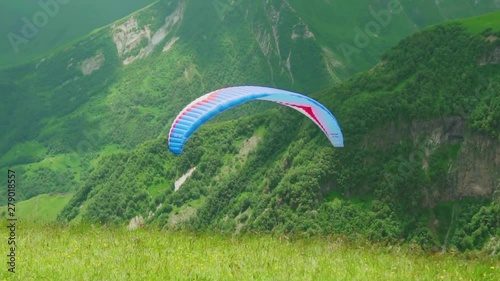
x,y
135,223
92,64
474,171
134,42
178,183
492,58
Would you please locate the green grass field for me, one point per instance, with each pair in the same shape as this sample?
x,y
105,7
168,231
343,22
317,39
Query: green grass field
x,y
479,24
51,252
42,208
29,150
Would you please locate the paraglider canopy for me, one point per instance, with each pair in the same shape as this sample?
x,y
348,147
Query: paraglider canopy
x,y
207,106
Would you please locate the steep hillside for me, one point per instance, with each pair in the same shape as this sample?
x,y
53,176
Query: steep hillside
x,y
37,28
421,162
121,85
113,91
42,208
33,29
354,34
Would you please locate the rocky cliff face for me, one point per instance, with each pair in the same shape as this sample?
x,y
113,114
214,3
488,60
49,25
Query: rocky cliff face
x,y
278,33
475,171
493,57
472,172
135,42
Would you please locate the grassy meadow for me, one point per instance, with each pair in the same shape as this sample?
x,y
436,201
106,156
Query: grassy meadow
x,y
42,208
54,252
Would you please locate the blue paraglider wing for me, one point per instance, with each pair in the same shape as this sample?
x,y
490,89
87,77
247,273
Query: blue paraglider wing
x,y
207,106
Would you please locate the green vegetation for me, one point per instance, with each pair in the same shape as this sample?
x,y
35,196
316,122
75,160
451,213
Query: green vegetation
x,y
333,26
386,192
70,22
42,208
413,125
479,24
98,253
65,23
23,153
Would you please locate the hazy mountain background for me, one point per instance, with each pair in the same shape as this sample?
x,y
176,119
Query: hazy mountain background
x,y
87,104
51,24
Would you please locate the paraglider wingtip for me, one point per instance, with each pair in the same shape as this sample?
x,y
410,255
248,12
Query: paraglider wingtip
x,y
176,152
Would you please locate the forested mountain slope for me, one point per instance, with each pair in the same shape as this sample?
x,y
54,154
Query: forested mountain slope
x,y
420,162
122,84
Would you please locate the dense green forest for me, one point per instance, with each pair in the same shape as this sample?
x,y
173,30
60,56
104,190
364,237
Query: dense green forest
x,y
421,122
